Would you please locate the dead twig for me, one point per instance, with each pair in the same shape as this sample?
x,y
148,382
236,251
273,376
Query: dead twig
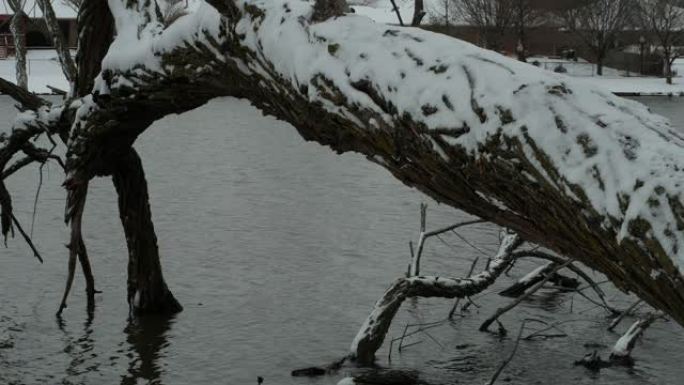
x,y
26,238
414,267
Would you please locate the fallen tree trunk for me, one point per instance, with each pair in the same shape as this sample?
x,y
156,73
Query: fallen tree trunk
x,y
573,168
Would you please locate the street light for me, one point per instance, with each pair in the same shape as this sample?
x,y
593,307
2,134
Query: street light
x,y
642,43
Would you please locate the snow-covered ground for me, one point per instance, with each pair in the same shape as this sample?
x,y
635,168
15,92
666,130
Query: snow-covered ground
x,y
382,11
616,81
43,70
639,85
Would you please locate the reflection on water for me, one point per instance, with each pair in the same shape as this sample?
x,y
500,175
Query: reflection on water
x,y
147,339
277,250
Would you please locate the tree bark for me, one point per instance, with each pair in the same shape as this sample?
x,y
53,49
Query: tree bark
x,y
95,34
147,291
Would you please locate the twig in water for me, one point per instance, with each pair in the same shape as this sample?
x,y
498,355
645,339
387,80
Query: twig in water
x,y
510,357
35,201
622,315
501,311
26,238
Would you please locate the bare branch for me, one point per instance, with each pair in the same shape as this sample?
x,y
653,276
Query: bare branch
x,y
499,312
622,315
27,99
510,356
372,334
26,238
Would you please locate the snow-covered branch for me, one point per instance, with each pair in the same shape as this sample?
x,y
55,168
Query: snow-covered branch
x,y
372,334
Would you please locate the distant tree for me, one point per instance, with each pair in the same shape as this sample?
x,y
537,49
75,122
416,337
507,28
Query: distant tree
x,y
491,17
19,37
73,4
597,23
524,16
665,20
418,13
443,12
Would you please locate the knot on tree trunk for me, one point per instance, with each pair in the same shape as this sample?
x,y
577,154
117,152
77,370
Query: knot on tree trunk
x,y
325,9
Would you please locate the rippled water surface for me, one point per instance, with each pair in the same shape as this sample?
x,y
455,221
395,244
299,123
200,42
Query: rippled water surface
x,y
277,249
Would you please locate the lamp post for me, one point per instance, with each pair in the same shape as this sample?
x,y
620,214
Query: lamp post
x,y
642,43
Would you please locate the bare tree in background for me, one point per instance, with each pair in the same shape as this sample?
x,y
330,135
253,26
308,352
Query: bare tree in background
x,y
73,4
491,17
597,23
524,16
665,20
443,12
418,13
17,7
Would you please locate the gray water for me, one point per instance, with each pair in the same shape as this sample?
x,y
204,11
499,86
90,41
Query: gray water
x,y
277,249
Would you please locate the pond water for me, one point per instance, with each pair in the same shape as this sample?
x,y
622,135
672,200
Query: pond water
x,y
277,249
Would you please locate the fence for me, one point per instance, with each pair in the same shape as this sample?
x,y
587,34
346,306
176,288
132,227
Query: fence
x,y
611,68
6,45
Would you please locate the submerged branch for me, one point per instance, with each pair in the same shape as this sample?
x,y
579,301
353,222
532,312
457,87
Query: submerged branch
x,y
372,334
499,312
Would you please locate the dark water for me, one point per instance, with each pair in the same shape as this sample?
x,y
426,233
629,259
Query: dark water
x,y
277,249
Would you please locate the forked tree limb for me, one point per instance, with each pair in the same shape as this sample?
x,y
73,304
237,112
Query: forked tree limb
x,y
424,235
372,334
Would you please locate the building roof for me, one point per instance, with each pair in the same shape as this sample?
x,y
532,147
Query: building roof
x,y
31,8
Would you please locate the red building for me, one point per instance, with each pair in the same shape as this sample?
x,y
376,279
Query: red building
x,y
34,27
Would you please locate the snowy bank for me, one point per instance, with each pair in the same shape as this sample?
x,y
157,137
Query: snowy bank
x,y
639,86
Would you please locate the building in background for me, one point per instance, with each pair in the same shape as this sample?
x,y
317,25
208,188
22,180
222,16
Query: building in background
x,y
37,36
